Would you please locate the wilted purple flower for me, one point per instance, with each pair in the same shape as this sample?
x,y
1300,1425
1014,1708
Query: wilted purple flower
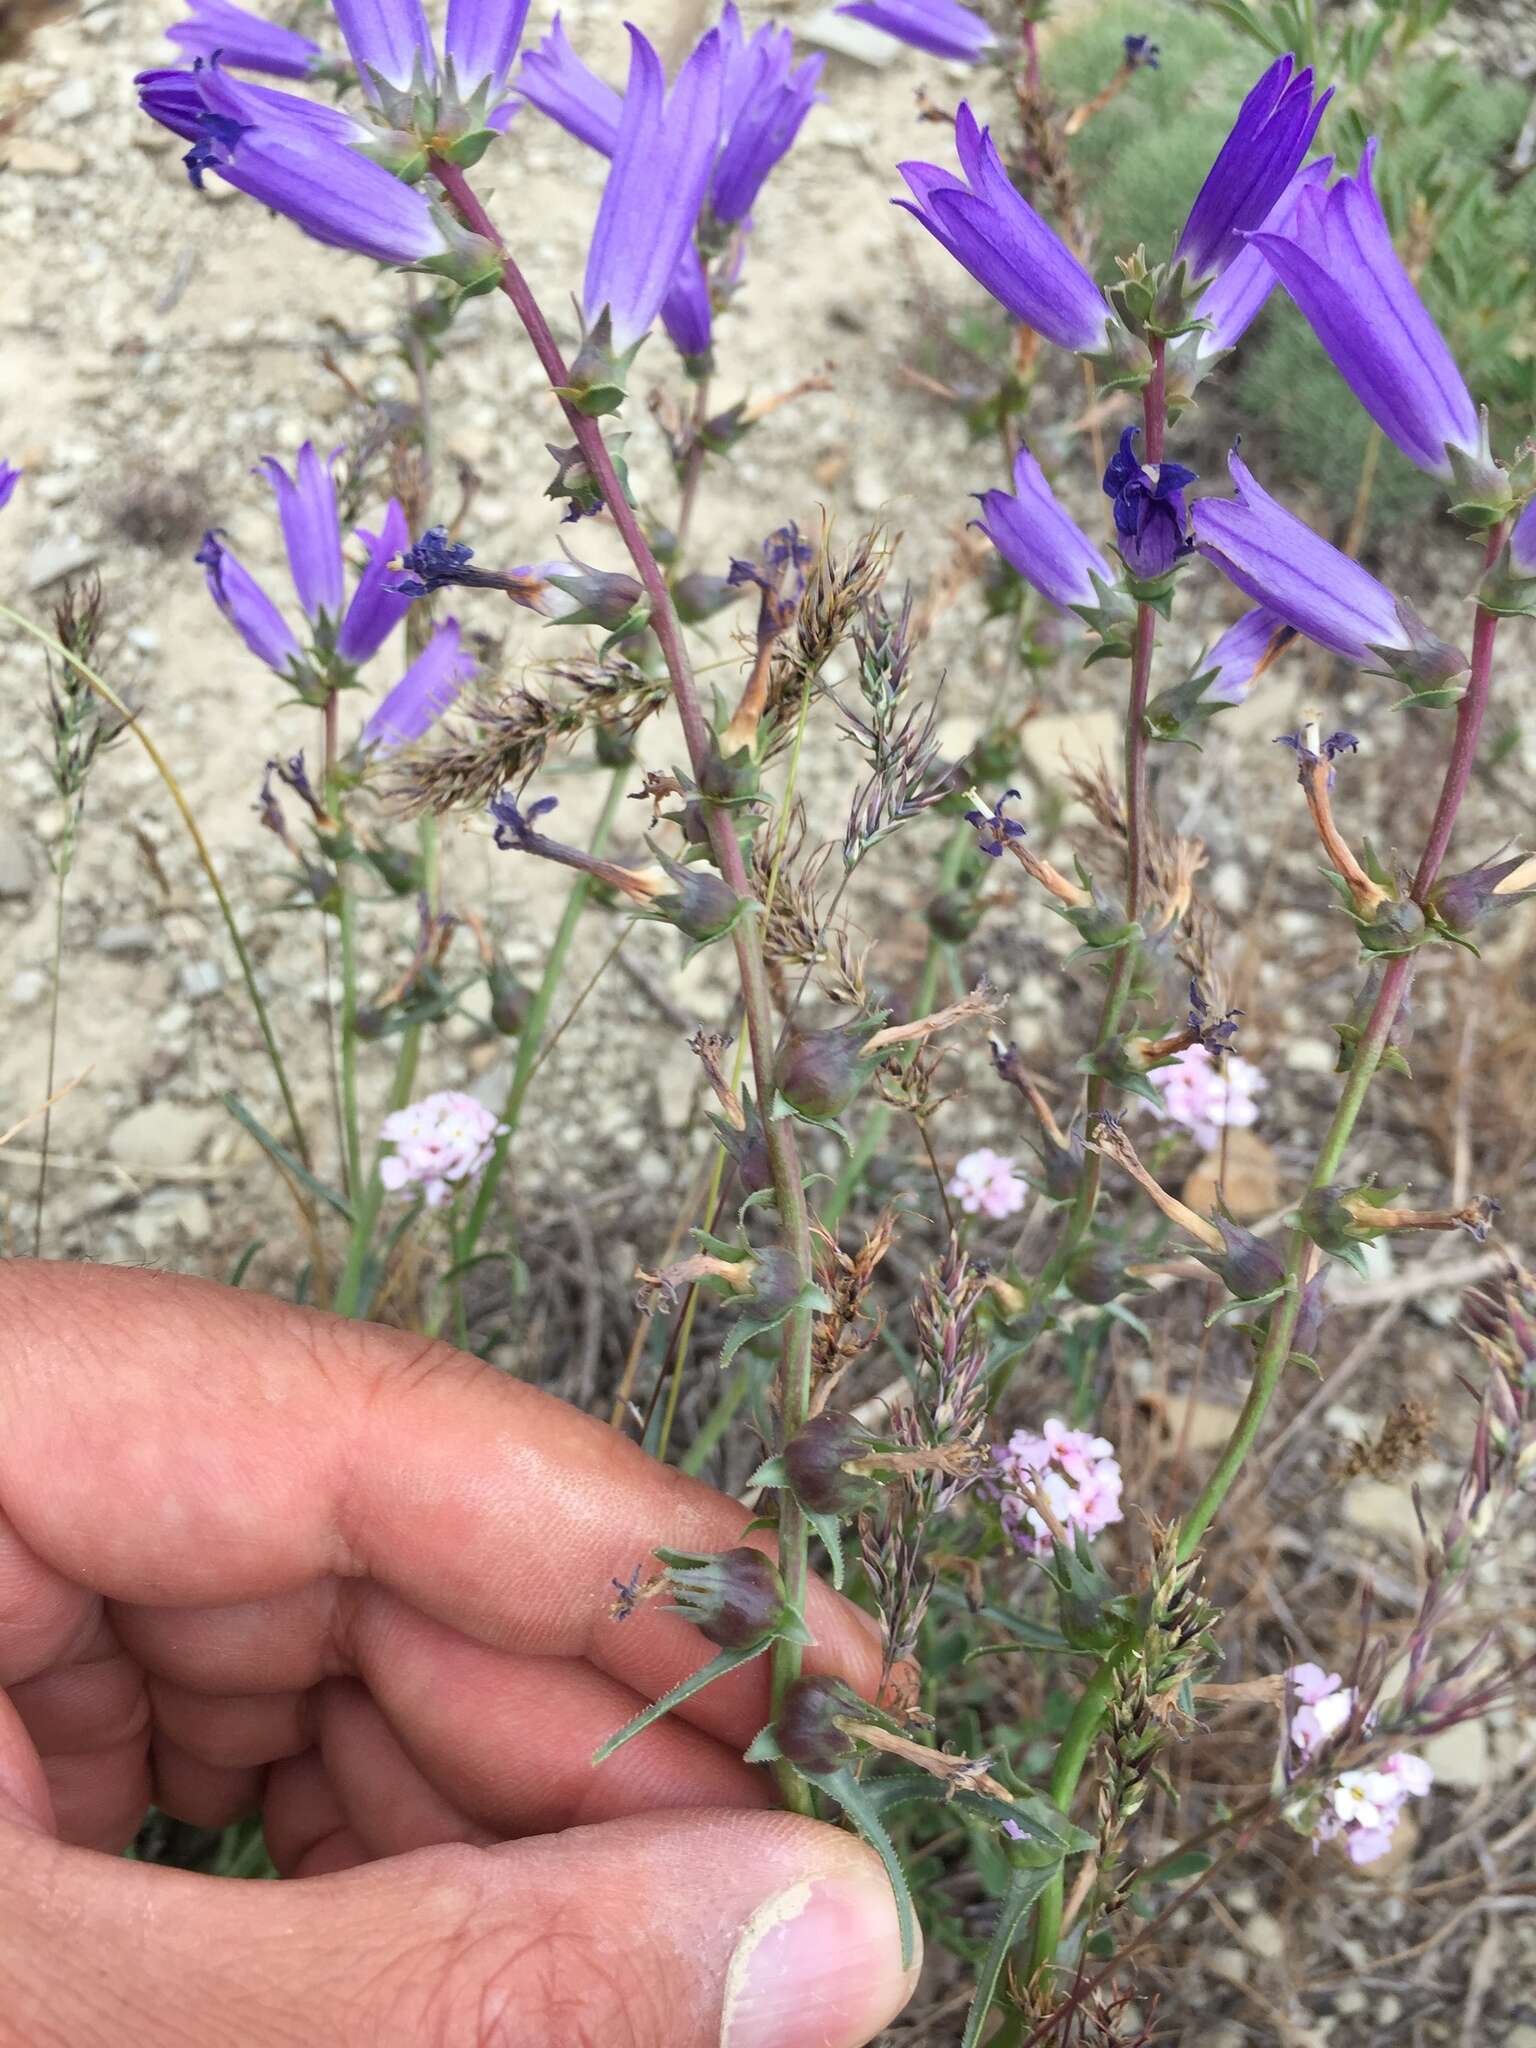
x,y
514,831
303,160
994,828
1522,542
306,506
661,166
244,41
1036,537
990,228
376,608
435,563
1272,133
1233,301
1243,653
248,608
941,27
389,42
1311,751
1149,509
426,690
10,477
1141,53
1278,561
1337,262
440,1144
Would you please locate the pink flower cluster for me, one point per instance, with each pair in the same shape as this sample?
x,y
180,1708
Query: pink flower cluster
x,y
440,1143
1205,1094
985,1184
1361,1808
1077,1475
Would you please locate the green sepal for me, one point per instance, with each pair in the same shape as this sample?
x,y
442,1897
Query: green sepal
x,y
467,150
757,1323
1243,1304
763,1748
1112,616
1429,700
771,1472
1109,1062
845,1790
829,1529
1024,1888
1086,1596
1350,1035
1175,715
717,1667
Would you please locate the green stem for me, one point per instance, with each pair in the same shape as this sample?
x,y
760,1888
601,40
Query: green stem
x,y
537,1020
63,862
1076,1746
205,861
352,1130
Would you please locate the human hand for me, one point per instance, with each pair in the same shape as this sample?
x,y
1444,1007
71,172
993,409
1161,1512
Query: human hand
x,y
255,1558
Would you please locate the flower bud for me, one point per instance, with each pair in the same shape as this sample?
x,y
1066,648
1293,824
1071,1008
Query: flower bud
x,y
776,1280
820,1072
1326,1217
954,915
1062,1166
1248,1267
735,1599
807,1730
814,1461
699,596
1461,901
1095,1273
1395,928
510,999
728,780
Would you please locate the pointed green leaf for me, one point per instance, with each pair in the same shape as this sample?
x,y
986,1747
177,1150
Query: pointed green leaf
x,y
1025,1887
843,1787
717,1667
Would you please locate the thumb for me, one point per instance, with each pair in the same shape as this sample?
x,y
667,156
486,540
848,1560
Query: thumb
x,y
686,1930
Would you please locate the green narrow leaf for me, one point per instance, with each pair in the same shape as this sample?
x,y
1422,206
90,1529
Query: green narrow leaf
x,y
1023,1890
243,1263
829,1529
287,1160
843,1787
717,1667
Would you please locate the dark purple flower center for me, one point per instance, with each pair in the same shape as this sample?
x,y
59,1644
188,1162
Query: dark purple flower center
x,y
1149,509
993,829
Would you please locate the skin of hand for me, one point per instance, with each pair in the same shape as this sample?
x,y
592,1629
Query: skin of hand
x,y
254,1558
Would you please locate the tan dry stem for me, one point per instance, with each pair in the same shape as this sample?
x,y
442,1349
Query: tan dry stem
x,y
960,1773
1111,1142
748,715
709,1047
760,408
981,1002
1368,895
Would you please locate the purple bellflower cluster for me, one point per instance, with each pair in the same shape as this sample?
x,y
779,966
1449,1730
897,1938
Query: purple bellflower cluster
x,y
941,27
764,98
344,632
10,477
1038,538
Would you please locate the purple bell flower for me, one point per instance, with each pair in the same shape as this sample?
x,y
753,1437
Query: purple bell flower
x,y
1036,537
560,84
1278,561
248,608
989,228
428,688
481,39
10,477
1337,262
243,41
1522,541
306,506
389,43
300,159
376,609
1243,653
1272,134
941,27
1234,301
765,97
661,168
1149,510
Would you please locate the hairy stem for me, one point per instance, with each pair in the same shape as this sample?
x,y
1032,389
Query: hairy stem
x,y
789,1192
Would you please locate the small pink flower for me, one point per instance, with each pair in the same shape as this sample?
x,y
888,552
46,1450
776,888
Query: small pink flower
x,y
1312,1726
440,1143
985,1184
1076,1473
1365,1845
1206,1095
1312,1683
1412,1773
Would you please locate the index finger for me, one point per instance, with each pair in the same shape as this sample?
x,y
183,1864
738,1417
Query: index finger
x,y
169,1442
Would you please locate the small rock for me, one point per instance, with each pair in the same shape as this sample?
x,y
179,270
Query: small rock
x,y
131,941
1265,1936
200,978
1311,1056
174,1021
143,639
1459,1756
55,560
160,1135
1521,2037
27,986
73,100
846,36
30,157
16,874
1383,1510
1251,1187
